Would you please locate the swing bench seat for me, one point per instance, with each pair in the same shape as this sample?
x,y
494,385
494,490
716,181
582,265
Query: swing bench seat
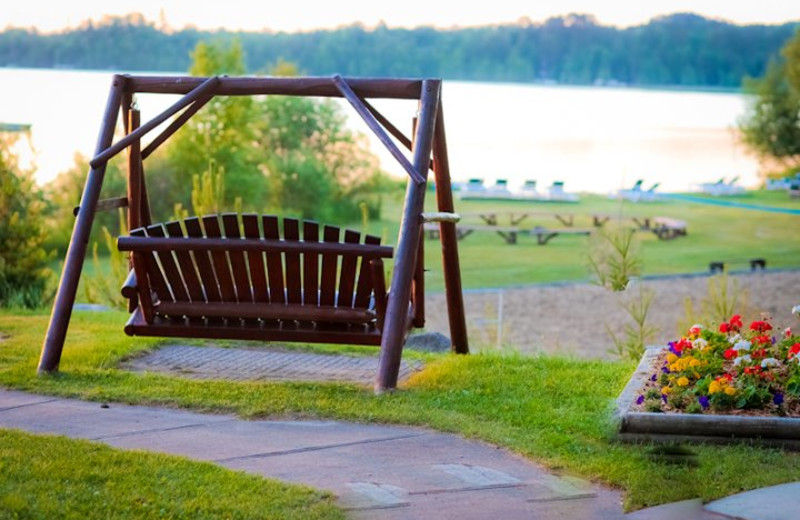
x,y
247,277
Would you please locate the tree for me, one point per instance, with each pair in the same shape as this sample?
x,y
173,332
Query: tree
x,y
771,126
221,133
23,259
292,155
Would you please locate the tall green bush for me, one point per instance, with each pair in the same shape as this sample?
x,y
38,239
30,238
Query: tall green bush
x,y
23,257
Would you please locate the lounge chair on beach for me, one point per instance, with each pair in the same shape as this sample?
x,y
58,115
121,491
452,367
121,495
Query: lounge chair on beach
x,y
633,194
557,193
712,188
499,189
723,187
528,191
650,193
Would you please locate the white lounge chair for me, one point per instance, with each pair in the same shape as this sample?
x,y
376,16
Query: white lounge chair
x,y
633,194
557,193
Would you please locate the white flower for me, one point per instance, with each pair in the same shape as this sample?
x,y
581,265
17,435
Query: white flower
x,y
742,345
770,362
796,309
735,338
743,359
699,343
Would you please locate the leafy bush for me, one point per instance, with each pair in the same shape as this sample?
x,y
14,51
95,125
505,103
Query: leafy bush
x,y
23,258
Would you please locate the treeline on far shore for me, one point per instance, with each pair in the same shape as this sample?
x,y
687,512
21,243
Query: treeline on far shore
x,y
683,50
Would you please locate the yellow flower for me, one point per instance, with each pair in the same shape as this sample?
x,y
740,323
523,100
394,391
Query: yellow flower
x,y
674,368
666,390
671,358
683,381
730,390
714,387
694,363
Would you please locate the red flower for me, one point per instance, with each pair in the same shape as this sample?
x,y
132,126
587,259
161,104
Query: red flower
x,y
736,321
683,344
727,377
760,326
724,327
730,354
760,353
794,349
762,340
752,370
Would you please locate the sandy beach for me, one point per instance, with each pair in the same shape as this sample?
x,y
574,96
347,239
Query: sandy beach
x,y
571,319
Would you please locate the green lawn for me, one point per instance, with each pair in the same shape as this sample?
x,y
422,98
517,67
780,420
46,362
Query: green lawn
x,y
47,477
715,233
553,410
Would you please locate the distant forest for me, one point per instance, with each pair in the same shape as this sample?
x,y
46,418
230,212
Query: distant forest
x,y
682,50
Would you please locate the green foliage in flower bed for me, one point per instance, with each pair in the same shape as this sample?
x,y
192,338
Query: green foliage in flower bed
x,y
554,410
734,368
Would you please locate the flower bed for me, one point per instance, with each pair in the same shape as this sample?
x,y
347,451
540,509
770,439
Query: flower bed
x,y
735,381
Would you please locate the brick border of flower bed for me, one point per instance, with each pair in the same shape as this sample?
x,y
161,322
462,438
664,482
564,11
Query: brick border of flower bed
x,y
783,432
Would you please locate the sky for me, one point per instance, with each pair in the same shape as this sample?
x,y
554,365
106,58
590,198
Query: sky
x,y
47,15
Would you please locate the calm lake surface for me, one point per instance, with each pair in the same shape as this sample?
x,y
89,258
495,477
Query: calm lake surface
x,y
594,139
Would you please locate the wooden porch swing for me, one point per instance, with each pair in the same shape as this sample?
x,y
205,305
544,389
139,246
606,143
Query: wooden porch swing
x,y
251,276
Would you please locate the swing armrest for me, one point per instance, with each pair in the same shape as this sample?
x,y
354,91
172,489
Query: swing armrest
x,y
129,291
129,287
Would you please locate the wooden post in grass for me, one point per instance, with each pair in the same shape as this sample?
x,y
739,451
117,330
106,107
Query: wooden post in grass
x,y
408,240
76,253
449,241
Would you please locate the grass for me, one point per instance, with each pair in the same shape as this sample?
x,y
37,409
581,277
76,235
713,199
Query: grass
x,y
47,476
716,233
553,410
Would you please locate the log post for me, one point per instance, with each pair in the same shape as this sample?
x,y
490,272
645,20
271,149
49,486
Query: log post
x,y
449,240
134,175
76,253
408,240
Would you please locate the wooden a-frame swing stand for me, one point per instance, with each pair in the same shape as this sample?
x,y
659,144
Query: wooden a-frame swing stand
x,y
246,276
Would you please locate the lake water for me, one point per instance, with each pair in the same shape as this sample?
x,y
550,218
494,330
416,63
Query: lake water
x,y
593,139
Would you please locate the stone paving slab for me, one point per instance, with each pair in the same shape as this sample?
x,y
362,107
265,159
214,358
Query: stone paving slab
x,y
10,399
87,420
780,502
226,441
240,364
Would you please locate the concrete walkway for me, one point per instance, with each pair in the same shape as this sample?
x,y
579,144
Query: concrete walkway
x,y
378,472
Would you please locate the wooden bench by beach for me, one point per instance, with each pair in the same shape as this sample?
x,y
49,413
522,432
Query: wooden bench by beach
x,y
642,223
544,235
509,233
667,228
515,218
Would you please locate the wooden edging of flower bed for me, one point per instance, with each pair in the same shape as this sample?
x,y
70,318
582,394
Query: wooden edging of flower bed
x,y
681,427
